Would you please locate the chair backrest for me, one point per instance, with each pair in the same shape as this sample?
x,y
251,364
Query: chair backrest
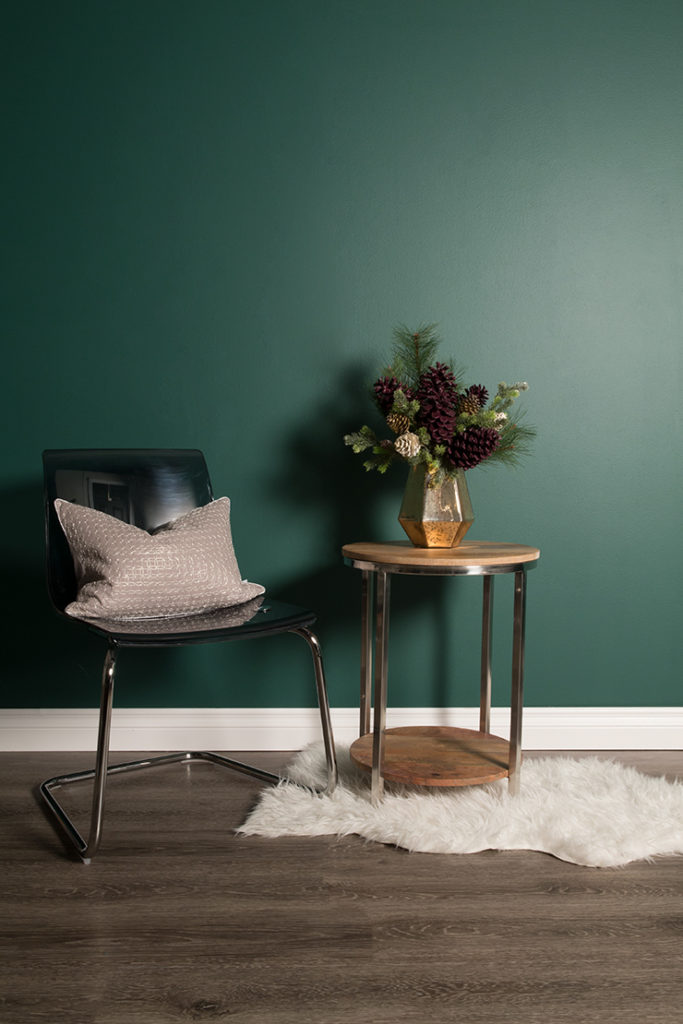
x,y
143,486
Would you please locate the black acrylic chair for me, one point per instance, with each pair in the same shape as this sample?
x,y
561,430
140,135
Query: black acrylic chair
x,y
147,488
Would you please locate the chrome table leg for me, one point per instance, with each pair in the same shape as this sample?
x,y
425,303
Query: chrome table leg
x,y
519,616
367,593
485,689
381,666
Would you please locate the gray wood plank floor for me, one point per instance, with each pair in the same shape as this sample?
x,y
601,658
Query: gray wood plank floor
x,y
178,919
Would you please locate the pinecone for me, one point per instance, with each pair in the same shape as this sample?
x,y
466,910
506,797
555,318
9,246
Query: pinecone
x,y
407,445
469,404
474,399
479,392
475,444
384,389
398,422
437,394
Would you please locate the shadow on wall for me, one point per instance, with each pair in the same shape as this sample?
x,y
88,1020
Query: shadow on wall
x,y
46,660
320,472
46,663
35,641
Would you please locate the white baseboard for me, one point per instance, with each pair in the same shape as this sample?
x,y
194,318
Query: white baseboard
x,y
148,729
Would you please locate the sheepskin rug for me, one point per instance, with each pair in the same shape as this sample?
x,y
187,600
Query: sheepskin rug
x,y
586,811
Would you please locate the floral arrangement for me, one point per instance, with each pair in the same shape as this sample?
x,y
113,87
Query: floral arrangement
x,y
434,420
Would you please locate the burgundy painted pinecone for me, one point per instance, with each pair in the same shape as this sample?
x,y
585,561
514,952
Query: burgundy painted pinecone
x,y
475,444
437,394
384,390
478,393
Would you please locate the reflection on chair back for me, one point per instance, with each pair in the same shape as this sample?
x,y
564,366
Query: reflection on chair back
x,y
145,487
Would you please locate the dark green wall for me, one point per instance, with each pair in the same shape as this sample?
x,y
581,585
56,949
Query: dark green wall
x,y
217,211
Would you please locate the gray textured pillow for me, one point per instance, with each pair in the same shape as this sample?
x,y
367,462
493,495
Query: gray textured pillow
x,y
186,567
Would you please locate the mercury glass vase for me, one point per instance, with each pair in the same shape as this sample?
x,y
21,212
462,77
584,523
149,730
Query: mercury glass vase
x,y
435,516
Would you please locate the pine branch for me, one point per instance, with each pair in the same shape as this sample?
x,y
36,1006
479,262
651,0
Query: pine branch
x,y
413,352
403,406
361,439
381,459
515,442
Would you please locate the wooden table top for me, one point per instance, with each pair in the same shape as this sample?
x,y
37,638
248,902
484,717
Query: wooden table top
x,y
470,554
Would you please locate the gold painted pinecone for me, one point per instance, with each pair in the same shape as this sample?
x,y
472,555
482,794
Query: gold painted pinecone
x,y
407,445
398,422
470,405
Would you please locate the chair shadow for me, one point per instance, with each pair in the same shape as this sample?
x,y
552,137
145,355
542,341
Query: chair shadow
x,y
48,661
34,639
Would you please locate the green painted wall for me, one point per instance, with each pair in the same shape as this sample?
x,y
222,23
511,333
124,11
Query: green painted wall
x,y
217,211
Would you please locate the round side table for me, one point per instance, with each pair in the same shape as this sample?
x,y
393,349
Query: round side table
x,y
437,755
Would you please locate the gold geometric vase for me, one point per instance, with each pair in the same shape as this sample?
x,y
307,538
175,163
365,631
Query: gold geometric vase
x,y
435,517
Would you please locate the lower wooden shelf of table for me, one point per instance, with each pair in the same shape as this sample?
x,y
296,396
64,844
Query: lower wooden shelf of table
x,y
436,755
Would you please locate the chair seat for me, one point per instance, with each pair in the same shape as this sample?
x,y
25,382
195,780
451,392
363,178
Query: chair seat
x,y
258,617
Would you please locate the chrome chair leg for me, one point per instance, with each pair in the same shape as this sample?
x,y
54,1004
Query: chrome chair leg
x,y
102,770
101,765
323,704
88,849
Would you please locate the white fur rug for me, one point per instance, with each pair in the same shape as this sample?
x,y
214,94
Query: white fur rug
x,y
587,811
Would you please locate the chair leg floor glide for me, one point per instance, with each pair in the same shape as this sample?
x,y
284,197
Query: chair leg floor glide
x,y
102,770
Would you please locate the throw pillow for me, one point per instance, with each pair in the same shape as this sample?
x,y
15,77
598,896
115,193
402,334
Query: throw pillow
x,y
186,567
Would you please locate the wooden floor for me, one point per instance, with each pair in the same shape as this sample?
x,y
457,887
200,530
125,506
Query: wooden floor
x,y
178,919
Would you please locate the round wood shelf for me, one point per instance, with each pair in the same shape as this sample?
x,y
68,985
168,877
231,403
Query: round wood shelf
x,y
435,755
